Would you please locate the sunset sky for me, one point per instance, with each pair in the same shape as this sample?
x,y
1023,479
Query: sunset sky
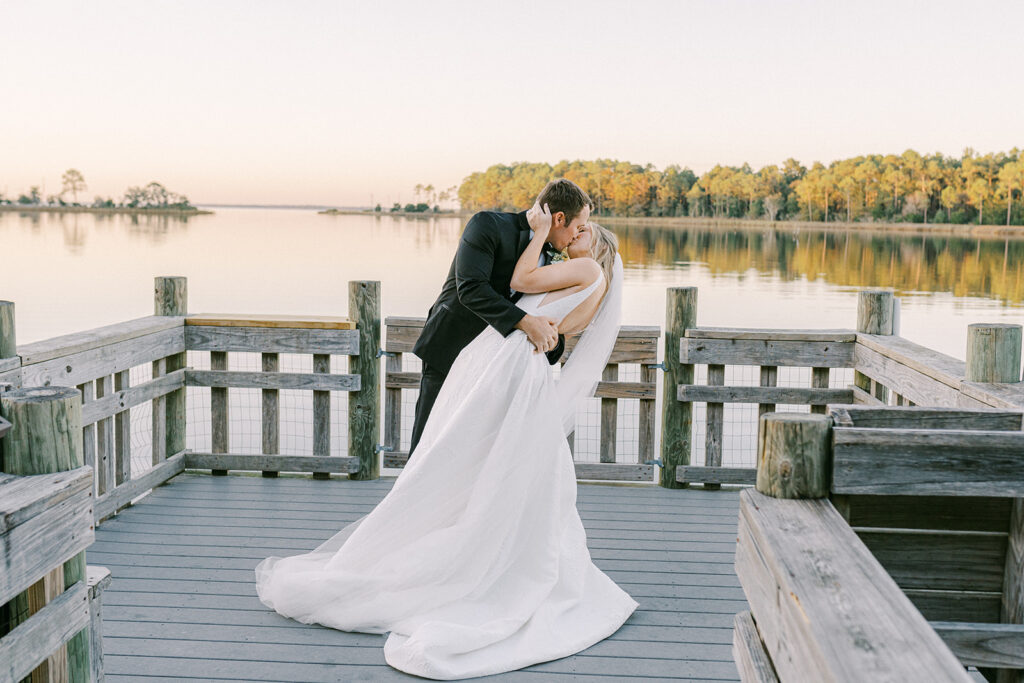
x,y
332,102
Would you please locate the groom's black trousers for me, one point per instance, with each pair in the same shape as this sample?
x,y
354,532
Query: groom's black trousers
x,y
430,384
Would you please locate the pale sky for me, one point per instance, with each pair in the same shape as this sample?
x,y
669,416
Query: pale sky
x,y
330,102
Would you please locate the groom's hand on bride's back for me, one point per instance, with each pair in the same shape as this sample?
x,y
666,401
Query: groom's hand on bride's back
x,y
541,330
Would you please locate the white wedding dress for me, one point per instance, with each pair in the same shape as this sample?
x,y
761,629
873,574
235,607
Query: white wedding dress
x,y
476,561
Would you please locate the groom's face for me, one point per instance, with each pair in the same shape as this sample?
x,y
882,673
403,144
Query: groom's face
x,y
563,232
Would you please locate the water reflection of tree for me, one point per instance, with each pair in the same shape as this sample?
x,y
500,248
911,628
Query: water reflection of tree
x,y
76,226
964,267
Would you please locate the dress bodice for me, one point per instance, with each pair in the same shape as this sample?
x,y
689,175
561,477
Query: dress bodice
x,y
558,309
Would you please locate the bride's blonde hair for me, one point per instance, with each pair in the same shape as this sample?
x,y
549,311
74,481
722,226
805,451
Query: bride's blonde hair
x,y
604,248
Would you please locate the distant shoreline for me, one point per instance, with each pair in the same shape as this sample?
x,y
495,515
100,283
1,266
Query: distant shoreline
x,y
948,229
19,208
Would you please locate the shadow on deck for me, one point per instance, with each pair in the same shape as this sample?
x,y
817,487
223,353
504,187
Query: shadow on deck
x,y
182,604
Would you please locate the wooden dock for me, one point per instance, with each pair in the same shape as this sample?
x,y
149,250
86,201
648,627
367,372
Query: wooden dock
x,y
182,603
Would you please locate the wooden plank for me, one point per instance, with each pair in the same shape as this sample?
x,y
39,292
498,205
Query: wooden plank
x,y
321,412
1012,611
984,645
614,471
123,494
270,416
606,389
689,474
219,406
392,404
396,379
88,430
158,442
11,379
272,340
78,342
272,380
754,352
394,459
122,429
647,415
819,380
83,366
97,580
791,395
907,379
754,664
9,364
823,604
609,416
56,533
861,397
966,606
768,378
921,359
764,334
24,497
129,397
949,513
941,560
32,641
1006,396
307,322
917,417
104,439
715,421
928,462
271,462
5,427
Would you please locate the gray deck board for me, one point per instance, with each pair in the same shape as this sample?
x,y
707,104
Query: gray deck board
x,y
182,603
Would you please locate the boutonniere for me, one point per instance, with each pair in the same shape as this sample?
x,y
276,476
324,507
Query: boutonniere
x,y
557,256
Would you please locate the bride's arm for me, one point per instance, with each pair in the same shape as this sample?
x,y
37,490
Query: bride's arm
x,y
530,278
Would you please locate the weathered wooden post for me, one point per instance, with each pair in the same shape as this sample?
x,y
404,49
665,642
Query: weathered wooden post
x,y
170,298
9,362
676,416
794,455
364,405
993,352
875,315
994,355
47,437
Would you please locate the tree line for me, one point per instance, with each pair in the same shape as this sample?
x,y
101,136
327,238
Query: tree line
x,y
908,187
151,196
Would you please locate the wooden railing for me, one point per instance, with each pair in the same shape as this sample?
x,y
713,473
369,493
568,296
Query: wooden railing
x,y
49,600
635,345
97,363
920,543
887,369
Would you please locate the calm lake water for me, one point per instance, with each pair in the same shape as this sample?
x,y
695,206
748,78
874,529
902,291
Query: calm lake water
x,y
70,272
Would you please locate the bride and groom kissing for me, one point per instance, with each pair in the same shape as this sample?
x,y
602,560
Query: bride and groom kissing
x,y
476,561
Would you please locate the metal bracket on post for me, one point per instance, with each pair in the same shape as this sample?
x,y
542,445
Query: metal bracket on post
x,y
387,449
657,462
382,352
658,366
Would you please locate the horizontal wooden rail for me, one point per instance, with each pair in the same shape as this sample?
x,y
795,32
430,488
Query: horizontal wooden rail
x,y
818,354
45,519
315,381
79,342
292,322
825,608
689,474
272,339
788,395
271,463
35,639
765,334
928,462
123,494
920,417
753,663
108,406
984,645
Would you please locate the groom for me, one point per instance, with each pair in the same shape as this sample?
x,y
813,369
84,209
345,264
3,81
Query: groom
x,y
477,292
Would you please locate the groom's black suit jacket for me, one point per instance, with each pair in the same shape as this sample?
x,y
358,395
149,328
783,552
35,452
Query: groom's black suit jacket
x,y
476,292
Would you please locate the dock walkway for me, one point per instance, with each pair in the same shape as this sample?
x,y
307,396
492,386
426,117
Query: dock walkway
x,y
182,604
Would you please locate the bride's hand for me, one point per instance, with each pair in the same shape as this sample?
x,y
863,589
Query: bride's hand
x,y
540,220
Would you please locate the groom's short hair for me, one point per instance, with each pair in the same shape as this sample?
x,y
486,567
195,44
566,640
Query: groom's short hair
x,y
565,196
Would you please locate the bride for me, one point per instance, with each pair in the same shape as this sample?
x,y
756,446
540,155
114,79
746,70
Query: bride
x,y
476,561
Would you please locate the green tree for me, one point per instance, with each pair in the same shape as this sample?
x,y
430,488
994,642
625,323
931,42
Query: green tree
x,y
74,182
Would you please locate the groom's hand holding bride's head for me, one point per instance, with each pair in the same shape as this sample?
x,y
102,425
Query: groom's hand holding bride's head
x,y
568,207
